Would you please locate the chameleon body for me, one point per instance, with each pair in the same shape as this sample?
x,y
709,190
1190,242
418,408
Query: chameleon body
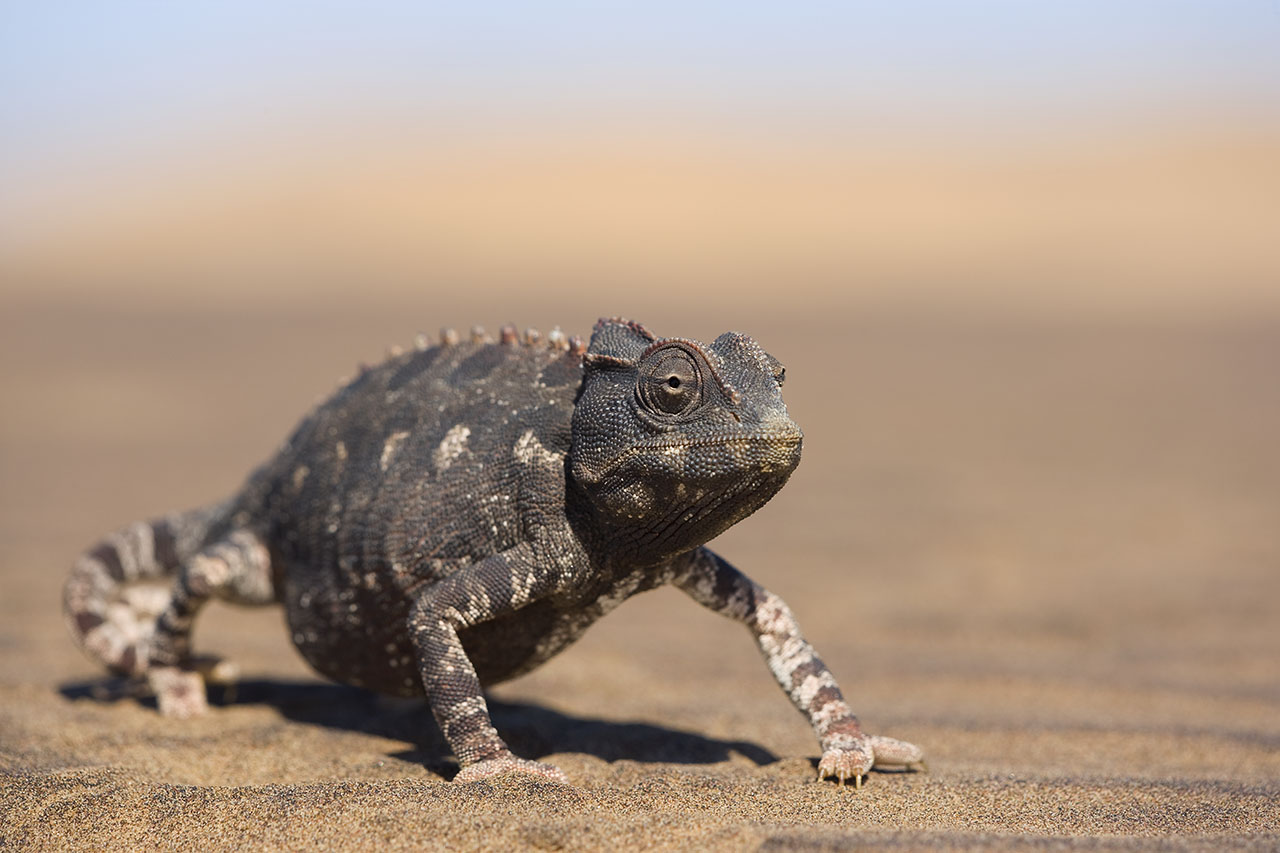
x,y
460,513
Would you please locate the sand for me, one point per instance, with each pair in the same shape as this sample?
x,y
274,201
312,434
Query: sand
x,y
1045,549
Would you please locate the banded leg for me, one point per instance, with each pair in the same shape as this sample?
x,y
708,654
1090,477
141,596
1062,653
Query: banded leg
x,y
117,589
847,753
236,569
494,587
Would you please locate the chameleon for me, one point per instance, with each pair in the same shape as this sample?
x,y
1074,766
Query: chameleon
x,y
455,516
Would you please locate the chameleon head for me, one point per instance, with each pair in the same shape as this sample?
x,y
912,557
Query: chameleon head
x,y
675,441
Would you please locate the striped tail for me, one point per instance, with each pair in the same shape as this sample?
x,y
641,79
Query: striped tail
x,y
118,588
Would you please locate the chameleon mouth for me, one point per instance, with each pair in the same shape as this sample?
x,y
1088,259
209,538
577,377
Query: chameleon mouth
x,y
728,437
786,440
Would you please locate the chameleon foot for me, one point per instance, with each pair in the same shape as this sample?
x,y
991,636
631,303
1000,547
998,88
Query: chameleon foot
x,y
891,752
179,692
851,758
509,764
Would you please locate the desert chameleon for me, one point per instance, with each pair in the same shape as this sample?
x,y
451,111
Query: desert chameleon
x,y
460,513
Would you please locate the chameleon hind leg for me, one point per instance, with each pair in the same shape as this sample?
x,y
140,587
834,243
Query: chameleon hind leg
x,y
236,569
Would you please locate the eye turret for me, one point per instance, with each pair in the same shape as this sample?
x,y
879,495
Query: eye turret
x,y
774,368
670,382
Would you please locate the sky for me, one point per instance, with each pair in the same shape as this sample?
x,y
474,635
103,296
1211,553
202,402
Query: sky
x,y
70,66
92,82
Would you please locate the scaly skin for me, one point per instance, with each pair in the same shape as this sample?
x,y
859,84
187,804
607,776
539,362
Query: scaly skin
x,y
458,514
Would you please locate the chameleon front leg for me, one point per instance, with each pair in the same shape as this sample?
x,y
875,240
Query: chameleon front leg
x,y
847,753
497,585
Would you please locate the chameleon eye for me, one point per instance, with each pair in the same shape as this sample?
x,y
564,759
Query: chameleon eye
x,y
669,381
775,368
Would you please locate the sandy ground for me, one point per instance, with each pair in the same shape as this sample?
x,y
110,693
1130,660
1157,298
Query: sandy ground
x,y
1045,549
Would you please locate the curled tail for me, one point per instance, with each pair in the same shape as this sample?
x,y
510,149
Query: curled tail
x,y
118,588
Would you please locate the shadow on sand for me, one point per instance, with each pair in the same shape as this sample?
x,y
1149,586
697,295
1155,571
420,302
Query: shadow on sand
x,y
532,731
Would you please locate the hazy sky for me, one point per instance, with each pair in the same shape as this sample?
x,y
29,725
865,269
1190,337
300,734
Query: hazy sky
x,y
84,79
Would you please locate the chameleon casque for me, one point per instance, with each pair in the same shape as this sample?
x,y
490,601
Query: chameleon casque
x,y
460,513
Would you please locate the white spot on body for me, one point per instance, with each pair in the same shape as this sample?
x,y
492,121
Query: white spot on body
x,y
529,450
467,707
451,446
521,587
390,446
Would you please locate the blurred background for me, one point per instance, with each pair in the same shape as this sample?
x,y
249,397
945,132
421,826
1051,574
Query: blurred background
x,y
1021,261
987,153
